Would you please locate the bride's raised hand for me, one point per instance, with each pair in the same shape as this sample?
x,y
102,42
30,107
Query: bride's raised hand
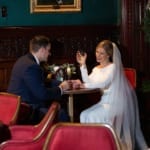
x,y
81,58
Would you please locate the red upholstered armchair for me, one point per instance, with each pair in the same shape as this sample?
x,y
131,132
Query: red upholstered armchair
x,y
31,137
131,76
75,136
9,108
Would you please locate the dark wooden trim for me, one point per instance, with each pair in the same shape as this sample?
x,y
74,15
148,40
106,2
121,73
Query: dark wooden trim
x,y
66,40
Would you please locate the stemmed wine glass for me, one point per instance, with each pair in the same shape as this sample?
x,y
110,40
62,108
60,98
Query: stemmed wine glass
x,y
68,72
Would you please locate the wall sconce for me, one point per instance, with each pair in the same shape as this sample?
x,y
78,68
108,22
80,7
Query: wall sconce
x,y
3,11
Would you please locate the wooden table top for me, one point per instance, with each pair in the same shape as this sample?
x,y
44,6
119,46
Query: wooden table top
x,y
82,91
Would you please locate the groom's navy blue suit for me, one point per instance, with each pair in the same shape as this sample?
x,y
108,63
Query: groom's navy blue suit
x,y
27,80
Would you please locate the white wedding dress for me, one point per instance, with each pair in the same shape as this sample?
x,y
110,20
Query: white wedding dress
x,y
99,78
118,105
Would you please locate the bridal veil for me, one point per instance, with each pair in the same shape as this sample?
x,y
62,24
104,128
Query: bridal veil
x,y
124,111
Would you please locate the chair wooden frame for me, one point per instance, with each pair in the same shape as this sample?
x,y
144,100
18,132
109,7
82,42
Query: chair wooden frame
x,y
31,136
13,119
58,127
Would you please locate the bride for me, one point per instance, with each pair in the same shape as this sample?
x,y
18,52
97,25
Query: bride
x,y
118,105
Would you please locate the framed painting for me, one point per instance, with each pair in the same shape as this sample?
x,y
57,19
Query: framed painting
x,y
45,6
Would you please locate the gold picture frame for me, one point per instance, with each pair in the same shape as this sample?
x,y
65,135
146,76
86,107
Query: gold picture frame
x,y
46,6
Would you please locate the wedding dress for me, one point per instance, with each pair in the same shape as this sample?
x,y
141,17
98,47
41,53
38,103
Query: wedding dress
x,y
118,105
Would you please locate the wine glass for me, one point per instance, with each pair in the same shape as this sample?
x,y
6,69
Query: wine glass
x,y
68,70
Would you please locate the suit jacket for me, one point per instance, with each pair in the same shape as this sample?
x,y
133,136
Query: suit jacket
x,y
27,80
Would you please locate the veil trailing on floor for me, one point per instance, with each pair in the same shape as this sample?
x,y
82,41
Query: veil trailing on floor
x,y
124,108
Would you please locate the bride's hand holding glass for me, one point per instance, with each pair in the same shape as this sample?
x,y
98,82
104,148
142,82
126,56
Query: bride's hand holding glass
x,y
81,58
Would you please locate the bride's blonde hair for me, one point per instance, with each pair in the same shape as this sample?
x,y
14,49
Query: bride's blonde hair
x,y
107,46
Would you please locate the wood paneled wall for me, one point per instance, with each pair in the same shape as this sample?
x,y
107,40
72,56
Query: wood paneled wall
x,y
134,47
5,71
66,40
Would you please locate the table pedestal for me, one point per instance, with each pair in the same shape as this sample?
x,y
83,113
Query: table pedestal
x,y
70,107
70,94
